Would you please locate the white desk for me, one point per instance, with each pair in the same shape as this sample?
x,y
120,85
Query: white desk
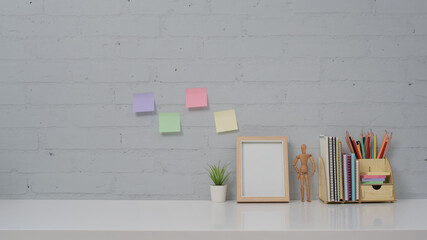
x,y
95,219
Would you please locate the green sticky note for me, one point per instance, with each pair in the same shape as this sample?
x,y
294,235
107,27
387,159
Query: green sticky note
x,y
169,122
373,182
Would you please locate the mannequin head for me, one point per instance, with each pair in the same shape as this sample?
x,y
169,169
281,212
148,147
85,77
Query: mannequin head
x,y
303,148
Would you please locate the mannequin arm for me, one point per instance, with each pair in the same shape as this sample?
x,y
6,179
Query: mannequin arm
x,y
295,165
313,164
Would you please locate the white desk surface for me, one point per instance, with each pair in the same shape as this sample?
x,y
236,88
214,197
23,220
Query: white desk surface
x,y
159,215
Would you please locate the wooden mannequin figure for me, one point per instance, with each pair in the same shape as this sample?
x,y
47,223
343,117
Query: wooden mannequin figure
x,y
303,172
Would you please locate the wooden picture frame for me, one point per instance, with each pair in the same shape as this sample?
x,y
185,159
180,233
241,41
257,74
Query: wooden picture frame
x,y
262,169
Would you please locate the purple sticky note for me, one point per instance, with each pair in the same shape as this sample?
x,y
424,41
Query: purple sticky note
x,y
373,179
143,102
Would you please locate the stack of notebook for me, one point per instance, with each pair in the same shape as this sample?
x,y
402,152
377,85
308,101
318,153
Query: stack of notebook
x,y
373,177
342,171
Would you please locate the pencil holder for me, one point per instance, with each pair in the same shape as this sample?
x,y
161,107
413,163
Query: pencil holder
x,y
384,192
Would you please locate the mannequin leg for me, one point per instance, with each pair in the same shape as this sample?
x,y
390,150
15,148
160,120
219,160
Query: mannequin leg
x,y
307,184
302,187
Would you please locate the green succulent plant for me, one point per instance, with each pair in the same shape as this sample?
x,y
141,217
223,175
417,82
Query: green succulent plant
x,y
218,173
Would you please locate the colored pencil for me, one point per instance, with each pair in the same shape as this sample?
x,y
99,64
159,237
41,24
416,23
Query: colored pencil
x,y
347,139
356,150
358,147
361,147
388,144
375,146
382,145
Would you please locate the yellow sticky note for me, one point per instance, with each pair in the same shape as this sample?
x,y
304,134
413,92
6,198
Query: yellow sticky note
x,y
225,121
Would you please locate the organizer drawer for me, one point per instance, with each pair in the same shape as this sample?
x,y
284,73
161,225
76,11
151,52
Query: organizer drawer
x,y
369,193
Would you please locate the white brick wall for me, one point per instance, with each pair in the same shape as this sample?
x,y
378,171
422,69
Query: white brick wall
x,y
298,68
76,48
47,93
83,7
204,26
203,71
250,7
332,6
401,7
15,48
12,94
242,48
168,7
180,48
21,7
19,138
71,183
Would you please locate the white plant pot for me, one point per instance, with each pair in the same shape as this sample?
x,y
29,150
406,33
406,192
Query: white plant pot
x,y
218,193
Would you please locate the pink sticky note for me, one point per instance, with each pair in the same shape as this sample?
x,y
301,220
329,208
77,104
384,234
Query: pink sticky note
x,y
196,97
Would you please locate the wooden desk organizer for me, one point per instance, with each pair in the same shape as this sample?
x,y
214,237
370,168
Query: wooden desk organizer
x,y
367,192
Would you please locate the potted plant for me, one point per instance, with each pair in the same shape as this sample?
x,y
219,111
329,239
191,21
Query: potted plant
x,y
219,176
